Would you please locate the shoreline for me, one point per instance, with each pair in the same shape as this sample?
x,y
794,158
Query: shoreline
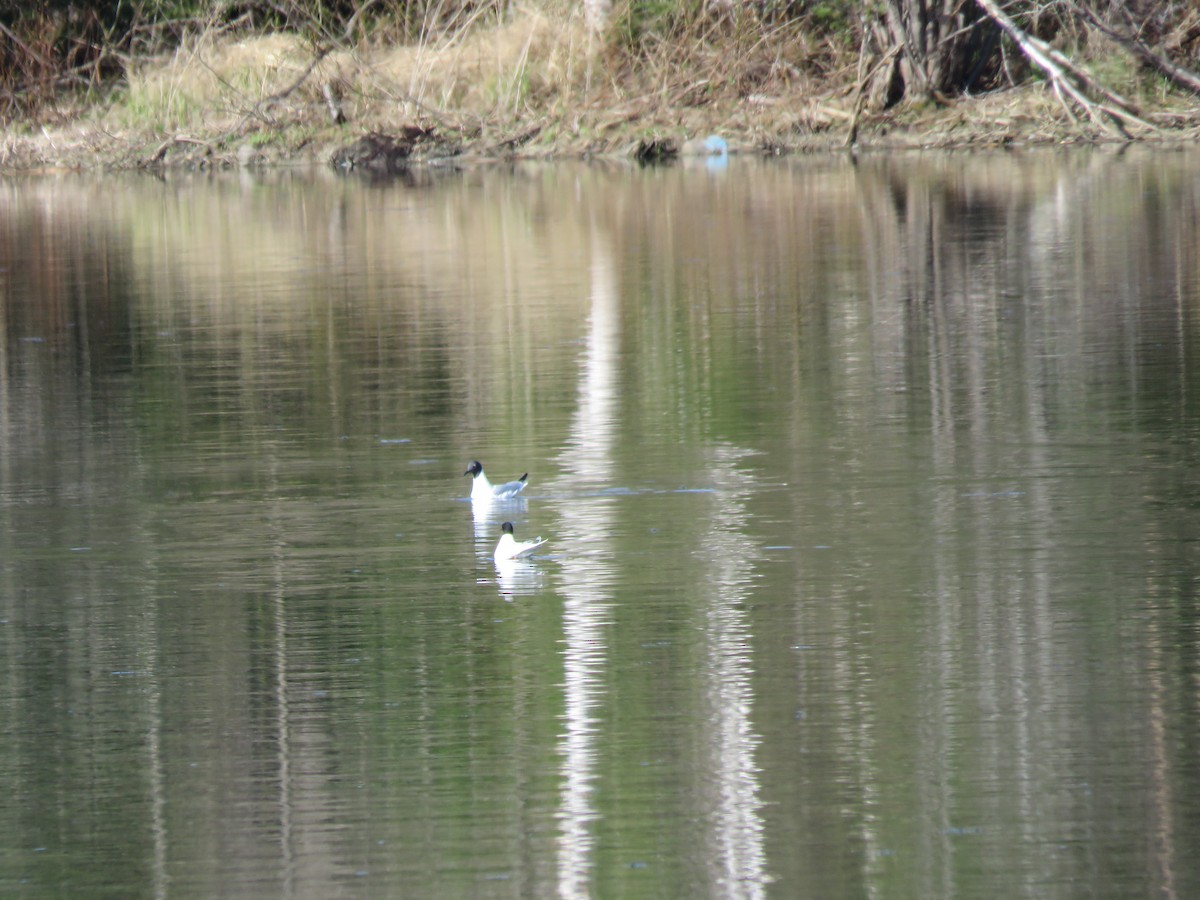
x,y
220,128
82,150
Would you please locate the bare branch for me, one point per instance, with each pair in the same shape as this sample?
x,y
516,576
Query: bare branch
x,y
157,156
860,93
1068,79
1178,75
318,55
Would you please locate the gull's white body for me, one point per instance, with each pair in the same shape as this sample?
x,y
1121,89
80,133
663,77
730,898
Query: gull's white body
x,y
484,490
510,548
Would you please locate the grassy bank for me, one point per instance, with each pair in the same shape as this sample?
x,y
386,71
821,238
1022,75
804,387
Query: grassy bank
x,y
534,80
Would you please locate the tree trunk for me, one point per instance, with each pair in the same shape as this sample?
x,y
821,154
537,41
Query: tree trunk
x,y
941,43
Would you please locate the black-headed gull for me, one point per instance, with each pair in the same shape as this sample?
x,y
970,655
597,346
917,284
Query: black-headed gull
x,y
510,548
482,489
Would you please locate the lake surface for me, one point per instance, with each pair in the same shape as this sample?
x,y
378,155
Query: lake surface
x,y
872,493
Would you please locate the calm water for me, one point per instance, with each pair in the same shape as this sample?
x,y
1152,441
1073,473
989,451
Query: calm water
x,y
873,498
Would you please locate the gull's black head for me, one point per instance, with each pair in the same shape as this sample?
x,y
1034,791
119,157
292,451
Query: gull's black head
x,y
507,528
475,468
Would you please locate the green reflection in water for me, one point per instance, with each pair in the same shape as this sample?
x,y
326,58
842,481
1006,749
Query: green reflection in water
x,y
870,495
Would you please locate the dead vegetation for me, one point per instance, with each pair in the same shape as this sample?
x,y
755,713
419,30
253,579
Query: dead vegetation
x,y
491,79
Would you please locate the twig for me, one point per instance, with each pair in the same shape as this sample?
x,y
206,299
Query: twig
x,y
20,43
348,32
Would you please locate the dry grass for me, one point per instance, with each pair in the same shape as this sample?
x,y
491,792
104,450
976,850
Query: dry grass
x,y
531,77
210,82
486,76
537,71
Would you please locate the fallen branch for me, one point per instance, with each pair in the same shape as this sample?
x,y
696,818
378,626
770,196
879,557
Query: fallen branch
x,y
509,145
170,142
1070,82
1178,75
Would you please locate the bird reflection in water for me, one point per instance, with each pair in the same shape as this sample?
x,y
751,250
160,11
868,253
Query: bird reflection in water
x,y
518,578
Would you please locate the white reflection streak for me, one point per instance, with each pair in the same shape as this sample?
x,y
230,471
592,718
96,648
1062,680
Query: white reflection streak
x,y
738,853
283,716
488,515
150,642
585,573
517,577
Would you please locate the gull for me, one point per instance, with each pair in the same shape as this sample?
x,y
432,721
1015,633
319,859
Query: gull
x,y
482,489
510,548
